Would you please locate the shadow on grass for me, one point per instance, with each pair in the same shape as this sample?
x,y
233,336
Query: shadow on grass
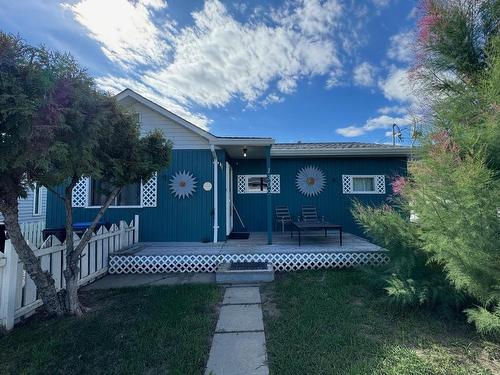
x,y
128,331
334,322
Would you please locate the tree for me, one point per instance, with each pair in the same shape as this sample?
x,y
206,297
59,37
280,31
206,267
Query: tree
x,y
102,141
28,82
454,183
56,129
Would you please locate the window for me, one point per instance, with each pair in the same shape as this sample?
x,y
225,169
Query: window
x,y
363,184
130,195
37,200
256,184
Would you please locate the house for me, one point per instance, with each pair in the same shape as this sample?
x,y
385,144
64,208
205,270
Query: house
x,y
215,185
32,210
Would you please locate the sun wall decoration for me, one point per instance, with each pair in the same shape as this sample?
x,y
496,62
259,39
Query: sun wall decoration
x,y
310,181
182,184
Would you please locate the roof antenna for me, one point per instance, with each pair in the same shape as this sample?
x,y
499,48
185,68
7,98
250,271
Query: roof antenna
x,y
396,132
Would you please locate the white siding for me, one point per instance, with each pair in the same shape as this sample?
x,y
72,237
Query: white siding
x,y
26,208
181,137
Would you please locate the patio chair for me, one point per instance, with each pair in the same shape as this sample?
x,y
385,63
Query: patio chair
x,y
282,217
310,215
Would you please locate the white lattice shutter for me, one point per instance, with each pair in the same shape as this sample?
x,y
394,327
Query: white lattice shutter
x,y
241,184
275,183
81,193
149,191
346,184
380,184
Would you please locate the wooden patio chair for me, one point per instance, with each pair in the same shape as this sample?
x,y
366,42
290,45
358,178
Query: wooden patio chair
x,y
310,215
282,215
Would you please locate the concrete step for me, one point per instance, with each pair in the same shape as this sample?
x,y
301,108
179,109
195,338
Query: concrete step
x,y
244,273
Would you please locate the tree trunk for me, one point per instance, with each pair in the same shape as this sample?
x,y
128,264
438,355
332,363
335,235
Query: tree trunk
x,y
73,253
43,280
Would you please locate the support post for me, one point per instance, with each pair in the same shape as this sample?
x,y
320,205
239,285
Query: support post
x,y
136,228
9,285
269,205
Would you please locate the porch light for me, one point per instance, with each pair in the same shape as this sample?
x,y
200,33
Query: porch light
x,y
244,152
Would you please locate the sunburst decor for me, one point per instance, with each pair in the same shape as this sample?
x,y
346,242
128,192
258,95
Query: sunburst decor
x,y
310,181
182,184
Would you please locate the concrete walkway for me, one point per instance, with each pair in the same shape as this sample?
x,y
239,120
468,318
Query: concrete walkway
x,y
239,343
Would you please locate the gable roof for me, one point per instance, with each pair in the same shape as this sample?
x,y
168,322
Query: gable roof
x,y
196,129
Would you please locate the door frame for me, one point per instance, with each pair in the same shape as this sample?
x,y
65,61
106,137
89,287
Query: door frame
x,y
229,199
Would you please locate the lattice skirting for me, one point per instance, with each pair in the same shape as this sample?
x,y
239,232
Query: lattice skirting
x,y
121,264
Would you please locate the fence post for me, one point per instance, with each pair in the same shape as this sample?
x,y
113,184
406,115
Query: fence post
x,y
136,228
123,235
9,284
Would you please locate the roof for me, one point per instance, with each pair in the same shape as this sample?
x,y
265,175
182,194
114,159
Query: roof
x,y
258,141
338,149
277,149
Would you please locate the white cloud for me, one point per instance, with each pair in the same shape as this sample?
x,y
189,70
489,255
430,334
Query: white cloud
x,y
396,109
271,99
364,74
217,58
379,4
401,47
125,30
374,123
397,86
351,131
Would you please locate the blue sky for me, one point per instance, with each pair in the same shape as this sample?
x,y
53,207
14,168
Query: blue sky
x,y
310,70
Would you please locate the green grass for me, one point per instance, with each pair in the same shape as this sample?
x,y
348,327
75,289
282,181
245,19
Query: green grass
x,y
128,331
333,322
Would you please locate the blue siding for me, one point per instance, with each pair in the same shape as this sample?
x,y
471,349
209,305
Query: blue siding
x,y
173,219
331,202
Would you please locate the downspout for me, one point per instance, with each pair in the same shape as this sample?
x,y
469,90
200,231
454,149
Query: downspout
x,y
216,195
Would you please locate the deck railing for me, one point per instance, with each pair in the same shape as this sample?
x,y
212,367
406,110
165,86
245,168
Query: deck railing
x,y
18,293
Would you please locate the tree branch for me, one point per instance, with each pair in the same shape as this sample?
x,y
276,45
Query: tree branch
x,y
88,233
58,195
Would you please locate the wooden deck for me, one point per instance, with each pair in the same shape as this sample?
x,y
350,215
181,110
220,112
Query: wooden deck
x,y
312,242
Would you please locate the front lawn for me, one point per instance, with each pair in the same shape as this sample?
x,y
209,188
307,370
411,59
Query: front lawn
x,y
148,330
333,322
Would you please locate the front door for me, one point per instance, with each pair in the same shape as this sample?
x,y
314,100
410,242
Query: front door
x,y
229,199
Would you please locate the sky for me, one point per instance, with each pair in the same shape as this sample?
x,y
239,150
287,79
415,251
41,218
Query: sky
x,y
294,70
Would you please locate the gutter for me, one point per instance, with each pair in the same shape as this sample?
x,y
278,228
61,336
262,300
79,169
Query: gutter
x,y
290,152
216,195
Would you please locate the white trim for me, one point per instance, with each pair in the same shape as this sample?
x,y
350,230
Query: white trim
x,y
229,199
40,200
216,194
378,184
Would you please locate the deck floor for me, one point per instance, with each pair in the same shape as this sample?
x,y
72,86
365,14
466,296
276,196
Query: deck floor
x,y
312,242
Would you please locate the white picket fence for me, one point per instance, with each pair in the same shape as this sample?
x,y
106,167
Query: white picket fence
x,y
18,294
32,232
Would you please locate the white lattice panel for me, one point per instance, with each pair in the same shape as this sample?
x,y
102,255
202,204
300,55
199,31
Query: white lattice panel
x,y
380,184
346,184
241,184
275,183
149,192
121,264
80,193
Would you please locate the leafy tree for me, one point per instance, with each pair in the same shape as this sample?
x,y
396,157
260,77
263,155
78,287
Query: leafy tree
x,y
454,183
29,80
56,129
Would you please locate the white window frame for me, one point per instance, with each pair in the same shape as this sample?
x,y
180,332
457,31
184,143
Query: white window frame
x,y
89,198
348,184
39,198
248,176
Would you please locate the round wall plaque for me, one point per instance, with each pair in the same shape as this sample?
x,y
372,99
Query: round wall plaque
x,y
207,186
